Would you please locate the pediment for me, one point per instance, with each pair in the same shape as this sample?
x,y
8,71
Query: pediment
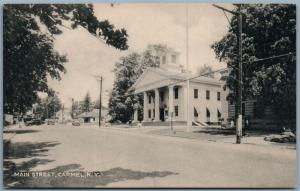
x,y
149,77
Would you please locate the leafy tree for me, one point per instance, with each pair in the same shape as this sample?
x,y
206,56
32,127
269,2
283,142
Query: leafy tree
x,y
268,30
122,102
49,106
121,105
205,70
76,109
29,56
86,107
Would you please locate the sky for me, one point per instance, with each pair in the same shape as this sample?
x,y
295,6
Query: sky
x,y
145,24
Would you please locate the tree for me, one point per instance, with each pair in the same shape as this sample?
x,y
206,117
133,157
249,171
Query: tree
x,y
126,73
268,30
76,109
29,56
48,107
122,102
206,71
86,107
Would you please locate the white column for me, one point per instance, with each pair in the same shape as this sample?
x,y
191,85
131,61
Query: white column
x,y
156,106
145,107
171,102
135,115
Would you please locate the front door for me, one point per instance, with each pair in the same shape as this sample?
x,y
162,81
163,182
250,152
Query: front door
x,y
161,114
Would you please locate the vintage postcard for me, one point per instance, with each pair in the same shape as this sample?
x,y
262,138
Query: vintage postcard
x,y
153,95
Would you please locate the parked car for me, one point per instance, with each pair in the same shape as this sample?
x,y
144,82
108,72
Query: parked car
x,y
76,122
33,121
27,119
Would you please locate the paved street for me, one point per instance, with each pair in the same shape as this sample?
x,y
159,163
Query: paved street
x,y
134,158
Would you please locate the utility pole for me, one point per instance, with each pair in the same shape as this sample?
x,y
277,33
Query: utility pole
x,y
99,79
239,126
62,114
72,108
239,120
47,111
100,101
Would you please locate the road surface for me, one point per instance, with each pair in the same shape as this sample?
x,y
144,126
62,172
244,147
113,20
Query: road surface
x,y
128,158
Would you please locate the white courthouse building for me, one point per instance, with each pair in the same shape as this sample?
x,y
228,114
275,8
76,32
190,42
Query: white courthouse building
x,y
165,94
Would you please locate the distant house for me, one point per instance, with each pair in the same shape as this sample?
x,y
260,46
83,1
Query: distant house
x,y
93,116
89,117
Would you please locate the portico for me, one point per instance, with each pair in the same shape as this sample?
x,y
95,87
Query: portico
x,y
158,104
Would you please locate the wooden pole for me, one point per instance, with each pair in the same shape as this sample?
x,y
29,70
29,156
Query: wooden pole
x,y
239,112
100,101
239,124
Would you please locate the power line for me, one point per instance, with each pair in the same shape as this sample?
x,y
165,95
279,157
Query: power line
x,y
226,16
263,59
272,57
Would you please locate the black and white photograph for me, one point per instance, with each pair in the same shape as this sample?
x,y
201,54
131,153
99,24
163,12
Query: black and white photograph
x,y
149,95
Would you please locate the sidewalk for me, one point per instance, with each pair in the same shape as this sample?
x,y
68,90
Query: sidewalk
x,y
210,134
219,135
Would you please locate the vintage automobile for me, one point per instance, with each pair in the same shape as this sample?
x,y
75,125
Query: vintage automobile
x,y
33,121
76,122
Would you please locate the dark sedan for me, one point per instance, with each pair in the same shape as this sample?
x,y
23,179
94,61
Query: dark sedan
x,y
33,122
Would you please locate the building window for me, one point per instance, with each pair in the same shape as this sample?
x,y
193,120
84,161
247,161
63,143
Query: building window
x,y
208,115
176,110
173,58
196,93
166,113
153,113
176,93
219,115
195,113
207,94
164,59
149,99
149,113
219,96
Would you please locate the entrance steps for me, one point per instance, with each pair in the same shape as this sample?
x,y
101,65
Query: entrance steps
x,y
199,123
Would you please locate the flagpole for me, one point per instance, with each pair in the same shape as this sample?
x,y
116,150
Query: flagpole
x,y
188,127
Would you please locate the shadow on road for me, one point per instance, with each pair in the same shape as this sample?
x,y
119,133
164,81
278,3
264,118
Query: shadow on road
x,y
23,150
72,176
27,149
223,132
9,168
20,131
22,176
